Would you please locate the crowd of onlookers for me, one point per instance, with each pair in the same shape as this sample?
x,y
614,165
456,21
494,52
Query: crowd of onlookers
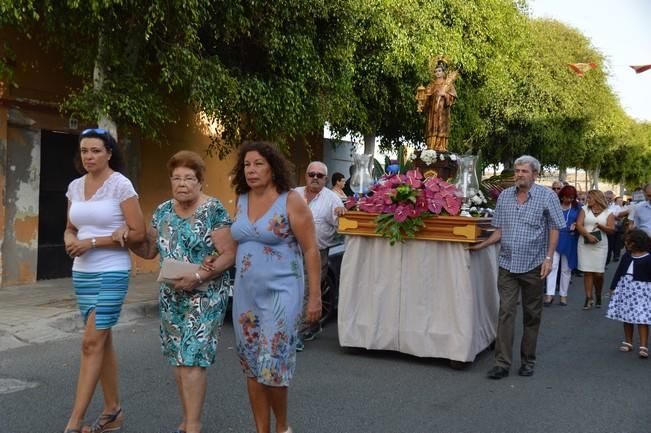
x,y
547,233
597,227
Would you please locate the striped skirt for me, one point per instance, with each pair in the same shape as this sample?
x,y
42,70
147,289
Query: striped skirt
x,y
102,291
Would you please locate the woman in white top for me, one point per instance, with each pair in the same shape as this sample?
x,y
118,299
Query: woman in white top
x,y
594,222
99,203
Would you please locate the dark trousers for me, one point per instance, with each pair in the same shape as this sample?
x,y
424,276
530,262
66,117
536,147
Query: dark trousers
x,y
509,286
323,255
615,243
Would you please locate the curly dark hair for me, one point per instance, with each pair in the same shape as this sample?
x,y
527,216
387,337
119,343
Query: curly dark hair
x,y
116,162
281,168
637,240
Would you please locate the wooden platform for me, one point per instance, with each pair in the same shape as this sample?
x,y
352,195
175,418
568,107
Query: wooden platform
x,y
438,228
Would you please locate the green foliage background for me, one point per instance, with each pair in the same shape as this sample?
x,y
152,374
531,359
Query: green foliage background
x,y
281,71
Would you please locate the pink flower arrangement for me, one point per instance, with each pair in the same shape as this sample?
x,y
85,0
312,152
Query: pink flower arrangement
x,y
404,200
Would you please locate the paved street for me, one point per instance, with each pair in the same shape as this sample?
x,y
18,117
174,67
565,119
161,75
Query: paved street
x,y
581,384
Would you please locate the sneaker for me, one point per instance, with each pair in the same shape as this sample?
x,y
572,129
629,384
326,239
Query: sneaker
x,y
311,334
300,346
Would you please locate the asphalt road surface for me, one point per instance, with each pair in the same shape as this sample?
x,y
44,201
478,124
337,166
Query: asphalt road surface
x,y
581,384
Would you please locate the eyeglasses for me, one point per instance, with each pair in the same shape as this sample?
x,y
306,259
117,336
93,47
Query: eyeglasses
x,y
557,189
188,180
317,175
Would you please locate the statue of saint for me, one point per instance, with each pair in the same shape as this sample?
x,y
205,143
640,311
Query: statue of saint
x,y
436,99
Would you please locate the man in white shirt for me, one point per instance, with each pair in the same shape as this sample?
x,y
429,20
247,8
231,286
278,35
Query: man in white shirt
x,y
615,242
326,207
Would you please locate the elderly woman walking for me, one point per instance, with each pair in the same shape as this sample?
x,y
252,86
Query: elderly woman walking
x,y
189,228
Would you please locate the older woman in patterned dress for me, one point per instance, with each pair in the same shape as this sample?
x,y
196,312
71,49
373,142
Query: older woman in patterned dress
x,y
188,228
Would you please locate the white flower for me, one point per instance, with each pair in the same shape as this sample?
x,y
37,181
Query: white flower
x,y
428,156
476,199
412,156
453,157
442,157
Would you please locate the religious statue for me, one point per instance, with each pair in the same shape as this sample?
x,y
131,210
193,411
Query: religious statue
x,y
436,99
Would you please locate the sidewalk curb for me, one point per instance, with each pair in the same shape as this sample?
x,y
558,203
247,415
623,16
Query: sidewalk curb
x,y
68,324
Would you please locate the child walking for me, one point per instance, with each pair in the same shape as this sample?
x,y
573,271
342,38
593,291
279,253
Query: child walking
x,y
631,300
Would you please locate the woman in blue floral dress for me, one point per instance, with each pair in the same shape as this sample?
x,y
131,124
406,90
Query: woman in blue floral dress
x,y
273,229
189,228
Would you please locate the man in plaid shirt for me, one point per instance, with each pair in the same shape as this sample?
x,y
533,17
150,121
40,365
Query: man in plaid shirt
x,y
527,221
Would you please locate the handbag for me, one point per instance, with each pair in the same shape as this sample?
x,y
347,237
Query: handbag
x,y
172,269
596,234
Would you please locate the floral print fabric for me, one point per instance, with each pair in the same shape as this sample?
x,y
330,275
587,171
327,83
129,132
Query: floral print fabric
x,y
631,301
191,321
268,296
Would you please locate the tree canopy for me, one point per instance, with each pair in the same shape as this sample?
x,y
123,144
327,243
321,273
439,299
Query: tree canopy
x,y
281,71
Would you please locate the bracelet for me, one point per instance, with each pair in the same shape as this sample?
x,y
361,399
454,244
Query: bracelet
x,y
93,243
547,258
198,277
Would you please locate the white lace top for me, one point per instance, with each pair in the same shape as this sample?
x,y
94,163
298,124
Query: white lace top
x,y
100,216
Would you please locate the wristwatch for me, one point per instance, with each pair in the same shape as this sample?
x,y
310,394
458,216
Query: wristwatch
x,y
93,243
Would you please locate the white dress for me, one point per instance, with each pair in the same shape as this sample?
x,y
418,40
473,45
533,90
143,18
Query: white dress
x,y
592,257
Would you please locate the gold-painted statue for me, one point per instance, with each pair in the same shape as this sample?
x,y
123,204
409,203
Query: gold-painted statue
x,y
436,99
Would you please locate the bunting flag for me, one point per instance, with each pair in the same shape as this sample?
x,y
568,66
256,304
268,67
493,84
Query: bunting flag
x,y
640,68
581,68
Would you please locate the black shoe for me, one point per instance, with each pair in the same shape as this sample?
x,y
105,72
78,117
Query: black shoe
x,y
598,302
311,334
498,372
526,370
616,259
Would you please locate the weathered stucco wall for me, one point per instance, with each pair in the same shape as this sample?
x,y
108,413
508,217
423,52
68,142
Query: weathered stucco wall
x,y
3,164
20,240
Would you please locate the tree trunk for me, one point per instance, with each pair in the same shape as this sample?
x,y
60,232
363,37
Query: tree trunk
x,y
595,177
369,144
562,174
622,187
104,120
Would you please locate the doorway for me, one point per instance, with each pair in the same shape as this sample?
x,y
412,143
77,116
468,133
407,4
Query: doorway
x,y
58,150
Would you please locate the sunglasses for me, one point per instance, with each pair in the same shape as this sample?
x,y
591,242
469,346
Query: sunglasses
x,y
93,131
557,189
317,175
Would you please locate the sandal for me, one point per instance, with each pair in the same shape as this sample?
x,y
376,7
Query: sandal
x,y
106,422
644,352
626,347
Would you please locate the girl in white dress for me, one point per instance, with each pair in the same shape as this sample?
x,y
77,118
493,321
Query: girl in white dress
x,y
593,224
